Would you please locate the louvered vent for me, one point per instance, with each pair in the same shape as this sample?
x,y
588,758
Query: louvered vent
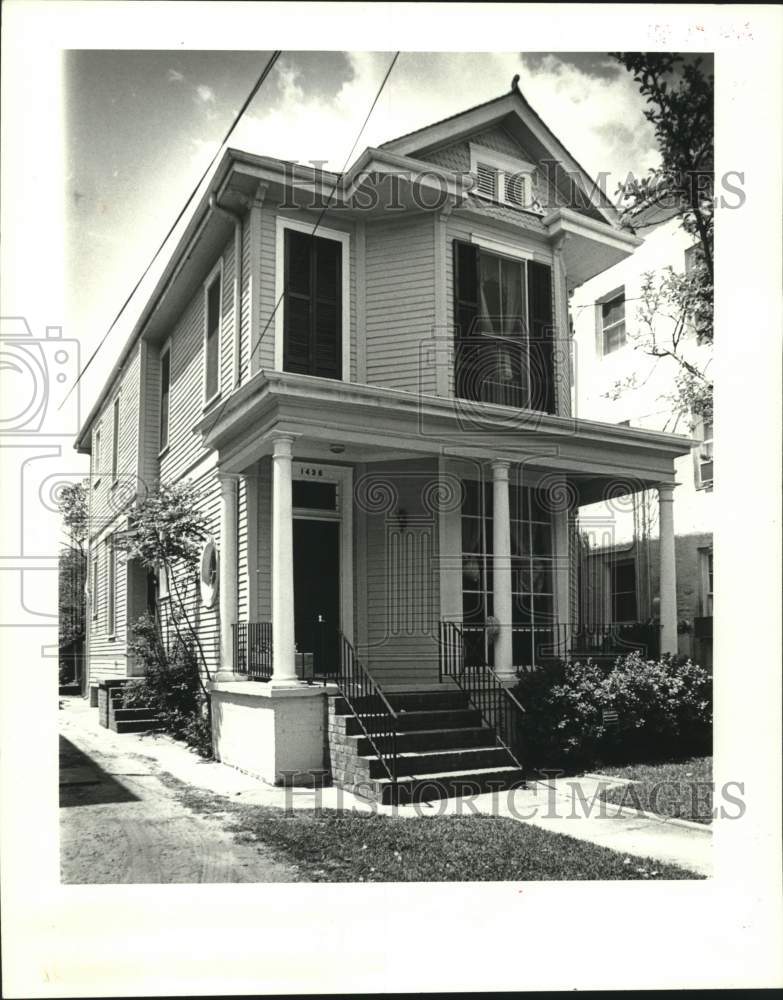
x,y
515,189
487,178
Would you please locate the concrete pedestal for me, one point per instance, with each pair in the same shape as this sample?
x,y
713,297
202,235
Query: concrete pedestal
x,y
276,732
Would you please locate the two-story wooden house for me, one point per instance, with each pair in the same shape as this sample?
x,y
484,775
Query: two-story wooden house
x,y
367,378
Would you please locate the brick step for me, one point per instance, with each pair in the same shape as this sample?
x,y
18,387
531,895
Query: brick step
x,y
134,725
404,701
438,762
467,718
133,713
422,739
444,785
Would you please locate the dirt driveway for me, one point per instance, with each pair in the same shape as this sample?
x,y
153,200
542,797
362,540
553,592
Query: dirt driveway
x,y
121,821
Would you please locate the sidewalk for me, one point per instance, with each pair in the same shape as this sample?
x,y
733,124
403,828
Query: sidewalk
x,y
566,805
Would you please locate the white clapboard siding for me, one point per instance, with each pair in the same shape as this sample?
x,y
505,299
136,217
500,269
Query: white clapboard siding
x,y
400,303
403,599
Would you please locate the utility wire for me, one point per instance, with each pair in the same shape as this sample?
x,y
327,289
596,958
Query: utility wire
x,y
264,74
245,369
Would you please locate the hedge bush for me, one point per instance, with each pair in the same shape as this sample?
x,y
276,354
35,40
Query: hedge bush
x,y
170,686
664,711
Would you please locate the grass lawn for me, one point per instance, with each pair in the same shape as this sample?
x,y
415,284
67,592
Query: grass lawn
x,y
682,789
333,846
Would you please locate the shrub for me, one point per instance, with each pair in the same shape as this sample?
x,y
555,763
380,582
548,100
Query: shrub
x,y
664,710
171,686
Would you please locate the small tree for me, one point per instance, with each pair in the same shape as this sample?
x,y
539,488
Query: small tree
x,y
680,98
71,577
166,530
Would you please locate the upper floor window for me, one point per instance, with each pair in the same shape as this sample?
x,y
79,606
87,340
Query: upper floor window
x,y
96,457
702,453
504,326
212,322
312,331
94,586
165,387
115,441
502,178
613,323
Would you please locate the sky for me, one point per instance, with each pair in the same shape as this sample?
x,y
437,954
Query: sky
x,y
141,126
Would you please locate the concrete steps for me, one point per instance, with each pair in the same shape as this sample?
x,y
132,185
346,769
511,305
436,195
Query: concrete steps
x,y
444,749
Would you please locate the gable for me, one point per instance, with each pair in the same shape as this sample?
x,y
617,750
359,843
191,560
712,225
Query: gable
x,y
512,128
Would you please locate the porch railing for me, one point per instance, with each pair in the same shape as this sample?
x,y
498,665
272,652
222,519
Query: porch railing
x,y
253,649
375,715
501,711
534,644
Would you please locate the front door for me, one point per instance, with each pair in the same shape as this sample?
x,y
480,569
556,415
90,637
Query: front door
x,y
317,591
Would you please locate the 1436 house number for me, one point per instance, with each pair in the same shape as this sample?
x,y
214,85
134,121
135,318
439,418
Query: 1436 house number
x,y
310,471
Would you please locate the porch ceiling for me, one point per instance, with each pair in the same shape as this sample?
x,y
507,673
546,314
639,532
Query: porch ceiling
x,y
371,423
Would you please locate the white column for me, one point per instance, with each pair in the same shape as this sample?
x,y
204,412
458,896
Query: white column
x,y
501,567
227,570
284,664
668,573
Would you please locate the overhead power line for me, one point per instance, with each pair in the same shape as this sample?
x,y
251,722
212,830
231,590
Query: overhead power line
x,y
256,87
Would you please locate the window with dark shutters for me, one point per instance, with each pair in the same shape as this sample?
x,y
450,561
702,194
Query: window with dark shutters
x,y
542,369
503,315
312,319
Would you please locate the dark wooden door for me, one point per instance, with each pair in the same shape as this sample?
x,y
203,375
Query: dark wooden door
x,y
317,591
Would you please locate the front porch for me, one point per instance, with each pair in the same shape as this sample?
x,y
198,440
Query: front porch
x,y
367,534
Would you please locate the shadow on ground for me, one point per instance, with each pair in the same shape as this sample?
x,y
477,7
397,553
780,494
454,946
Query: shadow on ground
x,y
85,783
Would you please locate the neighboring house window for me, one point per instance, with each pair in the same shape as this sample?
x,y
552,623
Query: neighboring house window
x,y
624,608
504,328
212,309
94,595
703,458
312,342
115,441
613,324
706,559
502,178
165,387
111,558
691,258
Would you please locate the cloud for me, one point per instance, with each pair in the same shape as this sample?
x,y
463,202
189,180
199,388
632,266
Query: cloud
x,y
174,76
594,111
205,93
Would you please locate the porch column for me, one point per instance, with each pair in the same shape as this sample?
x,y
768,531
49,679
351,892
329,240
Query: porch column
x,y
501,567
283,657
227,570
668,573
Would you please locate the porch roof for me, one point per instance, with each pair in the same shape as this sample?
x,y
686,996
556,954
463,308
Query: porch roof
x,y
370,423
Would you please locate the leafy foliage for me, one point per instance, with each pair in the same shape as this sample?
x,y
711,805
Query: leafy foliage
x,y
73,503
166,527
680,99
170,686
664,710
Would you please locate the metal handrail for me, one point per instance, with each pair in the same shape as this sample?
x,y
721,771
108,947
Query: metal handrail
x,y
362,692
253,649
499,708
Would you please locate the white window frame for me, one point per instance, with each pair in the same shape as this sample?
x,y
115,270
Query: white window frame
x,y
703,446
163,583
95,582
707,595
96,456
215,274
601,329
329,234
116,407
111,588
505,166
163,448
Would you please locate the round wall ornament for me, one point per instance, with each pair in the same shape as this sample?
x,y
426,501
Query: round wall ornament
x,y
208,575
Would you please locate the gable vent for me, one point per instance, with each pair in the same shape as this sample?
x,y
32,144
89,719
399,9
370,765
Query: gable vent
x,y
487,178
515,189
